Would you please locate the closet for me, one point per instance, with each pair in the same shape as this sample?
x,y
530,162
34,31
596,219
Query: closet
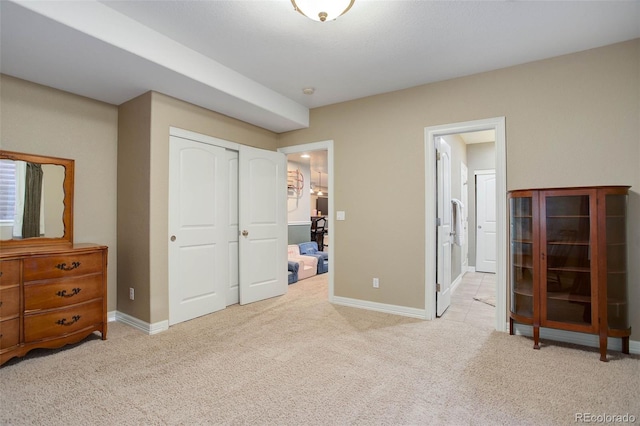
x,y
227,225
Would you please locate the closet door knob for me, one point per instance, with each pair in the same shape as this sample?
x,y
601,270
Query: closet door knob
x,y
173,238
245,233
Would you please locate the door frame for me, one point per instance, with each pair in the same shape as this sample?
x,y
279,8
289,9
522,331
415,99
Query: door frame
x,y
464,181
430,133
322,146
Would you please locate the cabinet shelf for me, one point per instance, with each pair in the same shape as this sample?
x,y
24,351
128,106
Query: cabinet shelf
x,y
568,243
517,265
559,246
582,269
568,216
566,296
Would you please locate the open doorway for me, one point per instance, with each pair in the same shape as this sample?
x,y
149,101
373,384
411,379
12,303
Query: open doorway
x,y
314,200
432,135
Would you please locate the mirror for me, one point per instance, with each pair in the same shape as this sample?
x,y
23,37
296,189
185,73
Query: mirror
x,y
36,200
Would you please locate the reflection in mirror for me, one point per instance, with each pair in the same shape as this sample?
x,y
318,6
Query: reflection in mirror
x,y
36,199
31,207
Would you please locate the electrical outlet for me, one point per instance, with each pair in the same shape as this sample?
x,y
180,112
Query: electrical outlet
x,y
376,283
132,294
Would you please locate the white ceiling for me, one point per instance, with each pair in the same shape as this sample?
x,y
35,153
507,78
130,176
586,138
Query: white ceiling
x,y
251,59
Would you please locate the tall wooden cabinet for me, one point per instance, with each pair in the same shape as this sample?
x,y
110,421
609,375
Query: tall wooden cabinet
x,y
568,261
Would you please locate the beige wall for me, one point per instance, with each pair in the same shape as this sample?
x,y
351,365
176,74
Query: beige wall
x,y
570,121
134,133
45,121
145,123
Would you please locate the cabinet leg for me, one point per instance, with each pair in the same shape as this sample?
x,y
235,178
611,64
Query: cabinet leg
x,y
603,348
511,326
625,345
536,337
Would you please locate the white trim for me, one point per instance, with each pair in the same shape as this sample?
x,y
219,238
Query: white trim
x,y
199,137
380,307
143,326
584,339
472,269
456,283
323,146
300,223
111,316
498,125
484,172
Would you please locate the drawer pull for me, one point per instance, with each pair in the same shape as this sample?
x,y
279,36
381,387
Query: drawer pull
x,y
64,267
63,293
63,321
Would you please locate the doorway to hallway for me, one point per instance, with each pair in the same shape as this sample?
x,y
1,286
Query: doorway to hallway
x,y
432,220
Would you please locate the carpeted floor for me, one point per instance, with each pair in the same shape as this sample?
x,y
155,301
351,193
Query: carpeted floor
x,y
298,360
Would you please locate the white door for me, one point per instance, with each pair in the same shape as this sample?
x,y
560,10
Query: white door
x,y
486,222
464,191
443,167
197,229
263,224
233,284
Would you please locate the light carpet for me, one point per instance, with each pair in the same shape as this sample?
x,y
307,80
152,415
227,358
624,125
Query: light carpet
x,y
299,360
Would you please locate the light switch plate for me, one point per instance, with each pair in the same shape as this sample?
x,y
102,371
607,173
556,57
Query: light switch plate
x,y
340,215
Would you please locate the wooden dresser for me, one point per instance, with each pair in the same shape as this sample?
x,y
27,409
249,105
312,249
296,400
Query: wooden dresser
x,y
51,296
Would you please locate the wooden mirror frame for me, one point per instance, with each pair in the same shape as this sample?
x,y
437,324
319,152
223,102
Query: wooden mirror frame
x,y
67,186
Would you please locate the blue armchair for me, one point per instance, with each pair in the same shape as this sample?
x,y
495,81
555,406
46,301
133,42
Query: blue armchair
x,y
293,272
311,249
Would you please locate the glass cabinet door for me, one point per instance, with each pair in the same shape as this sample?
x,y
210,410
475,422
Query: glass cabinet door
x,y
521,240
617,308
566,259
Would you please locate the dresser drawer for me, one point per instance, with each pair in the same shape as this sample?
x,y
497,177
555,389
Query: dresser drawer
x,y
9,302
9,333
9,272
67,265
62,321
63,292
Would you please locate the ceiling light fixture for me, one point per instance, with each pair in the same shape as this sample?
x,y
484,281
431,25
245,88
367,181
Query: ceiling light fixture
x,y
322,10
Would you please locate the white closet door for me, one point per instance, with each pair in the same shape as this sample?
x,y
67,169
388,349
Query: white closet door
x,y
198,253
263,224
233,283
486,242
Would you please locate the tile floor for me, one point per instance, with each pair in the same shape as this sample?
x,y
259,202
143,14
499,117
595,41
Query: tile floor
x,y
464,308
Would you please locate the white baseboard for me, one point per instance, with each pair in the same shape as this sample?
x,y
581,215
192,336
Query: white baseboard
x,y
584,339
143,326
380,307
111,316
456,283
471,268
